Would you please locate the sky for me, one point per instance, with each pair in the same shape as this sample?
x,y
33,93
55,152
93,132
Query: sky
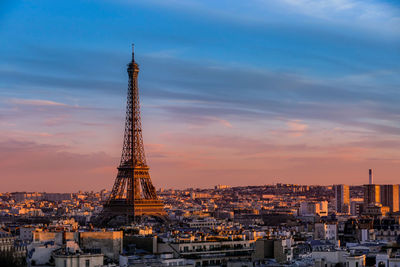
x,y
232,92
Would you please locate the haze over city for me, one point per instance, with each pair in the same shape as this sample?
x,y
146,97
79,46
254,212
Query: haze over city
x,y
232,92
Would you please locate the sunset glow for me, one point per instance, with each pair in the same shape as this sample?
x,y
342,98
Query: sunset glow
x,y
231,93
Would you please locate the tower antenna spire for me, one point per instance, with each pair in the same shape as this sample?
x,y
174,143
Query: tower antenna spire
x,y
133,52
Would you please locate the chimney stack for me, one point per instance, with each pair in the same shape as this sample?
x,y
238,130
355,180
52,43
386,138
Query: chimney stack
x,y
370,177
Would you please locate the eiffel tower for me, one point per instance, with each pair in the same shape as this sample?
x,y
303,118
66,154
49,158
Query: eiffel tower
x,y
133,193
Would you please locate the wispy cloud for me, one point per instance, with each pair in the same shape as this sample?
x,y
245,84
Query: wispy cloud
x,y
378,16
35,102
234,93
369,11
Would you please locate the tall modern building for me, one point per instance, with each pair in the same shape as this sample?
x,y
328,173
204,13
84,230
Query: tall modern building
x,y
372,194
342,197
390,196
371,177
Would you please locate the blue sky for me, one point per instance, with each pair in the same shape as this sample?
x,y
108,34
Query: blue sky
x,y
309,81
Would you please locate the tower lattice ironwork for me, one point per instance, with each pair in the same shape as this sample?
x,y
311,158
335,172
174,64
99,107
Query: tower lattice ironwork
x,y
133,193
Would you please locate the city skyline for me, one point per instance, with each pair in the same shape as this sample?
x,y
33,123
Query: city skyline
x,y
247,94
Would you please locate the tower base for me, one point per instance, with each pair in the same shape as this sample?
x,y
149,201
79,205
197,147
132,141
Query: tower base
x,y
118,212
143,207
149,208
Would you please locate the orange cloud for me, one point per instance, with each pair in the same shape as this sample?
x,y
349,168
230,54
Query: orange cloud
x,y
296,128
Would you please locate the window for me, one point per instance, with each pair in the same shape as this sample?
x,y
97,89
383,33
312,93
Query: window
x,y
87,263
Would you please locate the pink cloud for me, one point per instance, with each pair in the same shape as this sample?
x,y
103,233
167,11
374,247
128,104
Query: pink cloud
x,y
37,167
